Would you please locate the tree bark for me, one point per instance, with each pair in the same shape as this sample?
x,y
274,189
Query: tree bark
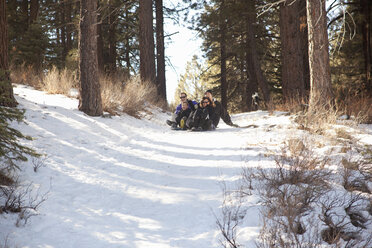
x,y
304,39
293,72
6,90
127,41
321,94
223,56
160,57
256,74
112,37
365,6
90,92
69,24
63,33
101,64
146,42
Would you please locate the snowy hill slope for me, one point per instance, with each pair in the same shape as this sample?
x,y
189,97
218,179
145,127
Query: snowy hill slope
x,y
126,182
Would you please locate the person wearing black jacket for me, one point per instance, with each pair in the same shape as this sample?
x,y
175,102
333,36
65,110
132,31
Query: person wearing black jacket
x,y
182,116
219,111
202,118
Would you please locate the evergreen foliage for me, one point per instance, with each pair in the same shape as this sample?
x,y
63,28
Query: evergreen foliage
x,y
11,150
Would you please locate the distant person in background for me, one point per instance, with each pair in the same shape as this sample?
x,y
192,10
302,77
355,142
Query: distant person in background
x,y
255,100
219,111
191,105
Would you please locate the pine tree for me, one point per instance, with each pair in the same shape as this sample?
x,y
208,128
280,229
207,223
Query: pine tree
x,y
90,92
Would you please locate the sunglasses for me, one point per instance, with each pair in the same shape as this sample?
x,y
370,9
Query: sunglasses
x,y
182,97
206,102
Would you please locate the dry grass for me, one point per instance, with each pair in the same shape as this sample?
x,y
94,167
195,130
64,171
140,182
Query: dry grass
x,y
292,106
119,93
361,108
131,96
59,81
26,75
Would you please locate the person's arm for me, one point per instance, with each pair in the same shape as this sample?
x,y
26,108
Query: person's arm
x,y
178,109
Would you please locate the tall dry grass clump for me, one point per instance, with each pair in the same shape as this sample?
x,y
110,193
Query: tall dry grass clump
x,y
130,96
60,81
26,75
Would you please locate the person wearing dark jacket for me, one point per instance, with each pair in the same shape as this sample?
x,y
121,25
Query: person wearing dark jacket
x,y
201,118
191,105
182,116
219,111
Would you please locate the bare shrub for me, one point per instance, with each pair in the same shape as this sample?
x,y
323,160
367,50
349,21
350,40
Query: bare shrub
x,y
293,105
289,193
131,96
343,216
359,107
232,215
22,200
356,169
38,162
59,82
318,119
26,75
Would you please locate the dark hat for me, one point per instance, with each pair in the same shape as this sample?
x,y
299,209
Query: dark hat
x,y
210,91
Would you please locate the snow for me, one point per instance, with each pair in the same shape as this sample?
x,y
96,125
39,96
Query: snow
x,y
127,182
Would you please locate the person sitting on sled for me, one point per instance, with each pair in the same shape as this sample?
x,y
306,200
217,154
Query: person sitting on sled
x,y
182,116
201,118
220,112
191,106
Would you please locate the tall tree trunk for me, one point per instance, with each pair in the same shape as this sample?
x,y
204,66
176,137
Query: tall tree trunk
x,y
6,90
304,39
63,33
101,63
146,42
160,58
127,41
69,24
293,78
365,6
257,73
223,56
112,36
34,10
321,93
90,92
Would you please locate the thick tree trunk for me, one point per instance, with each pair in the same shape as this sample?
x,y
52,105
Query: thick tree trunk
x,y
304,39
112,37
293,76
90,92
127,42
63,33
256,74
365,6
146,42
160,57
69,24
101,64
6,90
321,94
223,57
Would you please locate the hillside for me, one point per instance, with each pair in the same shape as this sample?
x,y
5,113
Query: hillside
x,y
125,182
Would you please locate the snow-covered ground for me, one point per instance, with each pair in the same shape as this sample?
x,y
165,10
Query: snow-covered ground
x,y
127,182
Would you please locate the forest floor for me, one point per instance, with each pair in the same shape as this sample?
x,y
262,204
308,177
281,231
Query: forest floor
x,y
125,182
